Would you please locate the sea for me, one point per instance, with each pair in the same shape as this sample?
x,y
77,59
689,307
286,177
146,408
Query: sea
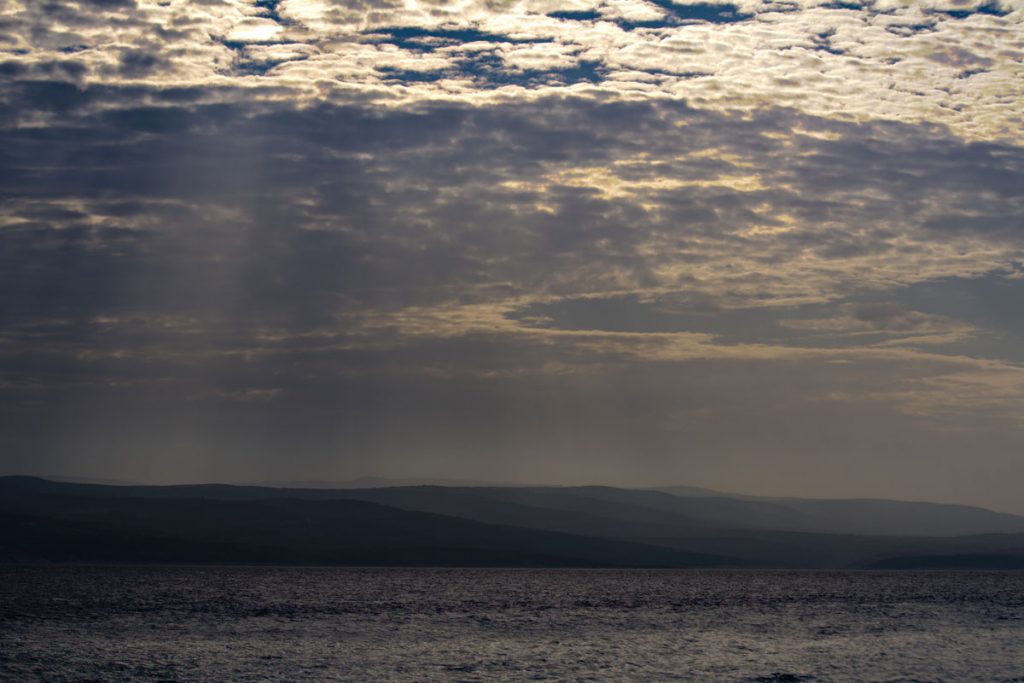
x,y
189,623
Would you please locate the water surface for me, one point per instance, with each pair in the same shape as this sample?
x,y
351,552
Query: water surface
x,y
287,624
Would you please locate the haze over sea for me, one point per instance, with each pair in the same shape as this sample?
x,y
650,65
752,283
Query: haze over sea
x,y
70,623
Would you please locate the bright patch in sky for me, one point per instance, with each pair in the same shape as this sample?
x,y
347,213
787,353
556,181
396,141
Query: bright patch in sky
x,y
254,31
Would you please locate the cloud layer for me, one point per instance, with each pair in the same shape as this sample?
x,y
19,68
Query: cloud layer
x,y
773,246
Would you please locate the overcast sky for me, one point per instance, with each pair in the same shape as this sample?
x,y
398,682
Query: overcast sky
x,y
773,247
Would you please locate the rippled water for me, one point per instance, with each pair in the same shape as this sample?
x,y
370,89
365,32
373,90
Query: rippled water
x,y
286,624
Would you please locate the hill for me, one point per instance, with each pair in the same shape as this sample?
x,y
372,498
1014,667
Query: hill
x,y
485,525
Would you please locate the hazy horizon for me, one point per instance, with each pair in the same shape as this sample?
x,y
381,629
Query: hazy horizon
x,y
371,481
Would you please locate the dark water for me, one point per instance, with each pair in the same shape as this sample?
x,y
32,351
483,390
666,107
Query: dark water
x,y
258,624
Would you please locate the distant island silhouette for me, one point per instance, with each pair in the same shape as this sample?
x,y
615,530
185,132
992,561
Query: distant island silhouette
x,y
378,524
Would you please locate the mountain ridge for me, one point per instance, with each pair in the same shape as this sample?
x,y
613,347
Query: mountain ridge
x,y
515,526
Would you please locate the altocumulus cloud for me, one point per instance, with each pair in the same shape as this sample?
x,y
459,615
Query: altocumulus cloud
x,y
708,241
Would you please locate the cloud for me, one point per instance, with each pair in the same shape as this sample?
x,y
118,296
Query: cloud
x,y
551,198
912,62
203,251
886,318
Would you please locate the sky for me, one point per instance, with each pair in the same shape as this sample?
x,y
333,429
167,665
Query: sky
x,y
773,247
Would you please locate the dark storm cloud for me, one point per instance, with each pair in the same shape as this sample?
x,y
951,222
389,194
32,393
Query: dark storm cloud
x,y
452,172
292,217
67,69
136,63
